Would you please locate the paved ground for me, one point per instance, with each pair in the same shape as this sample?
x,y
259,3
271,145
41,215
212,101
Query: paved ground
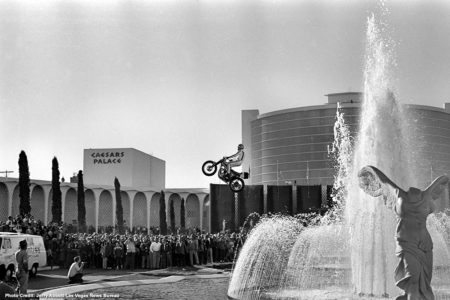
x,y
57,277
209,288
133,284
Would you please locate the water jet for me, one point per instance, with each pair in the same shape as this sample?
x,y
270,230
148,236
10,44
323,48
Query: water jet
x,y
351,253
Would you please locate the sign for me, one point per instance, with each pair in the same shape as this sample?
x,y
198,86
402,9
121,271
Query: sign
x,y
104,158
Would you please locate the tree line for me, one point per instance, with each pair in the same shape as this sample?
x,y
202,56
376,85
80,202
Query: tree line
x,y
25,200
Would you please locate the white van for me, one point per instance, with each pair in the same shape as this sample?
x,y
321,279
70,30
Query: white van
x,y
9,244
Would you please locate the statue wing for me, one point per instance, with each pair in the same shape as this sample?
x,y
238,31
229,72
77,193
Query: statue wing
x,y
436,188
374,182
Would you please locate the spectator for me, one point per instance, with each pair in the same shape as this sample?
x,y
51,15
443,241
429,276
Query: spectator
x,y
4,288
201,251
118,253
97,255
192,251
137,254
109,254
209,250
168,250
62,252
10,223
22,267
103,254
144,253
229,249
99,250
180,250
53,246
131,251
75,274
155,249
164,250
222,248
84,250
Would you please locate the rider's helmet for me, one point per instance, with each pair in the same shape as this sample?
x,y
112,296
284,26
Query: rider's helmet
x,y
240,146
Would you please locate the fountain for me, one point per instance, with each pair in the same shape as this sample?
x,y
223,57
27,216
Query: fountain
x,y
350,254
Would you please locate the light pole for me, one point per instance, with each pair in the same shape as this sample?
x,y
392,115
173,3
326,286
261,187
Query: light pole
x,y
294,195
431,174
307,172
307,176
278,184
278,172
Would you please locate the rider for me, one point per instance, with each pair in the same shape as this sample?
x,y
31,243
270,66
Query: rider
x,y
234,160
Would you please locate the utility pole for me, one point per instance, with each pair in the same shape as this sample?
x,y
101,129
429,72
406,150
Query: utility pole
x,y
6,172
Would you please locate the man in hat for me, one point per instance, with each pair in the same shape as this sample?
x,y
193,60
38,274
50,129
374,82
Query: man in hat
x,y
22,267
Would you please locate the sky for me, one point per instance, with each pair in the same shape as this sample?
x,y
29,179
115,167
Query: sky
x,y
170,78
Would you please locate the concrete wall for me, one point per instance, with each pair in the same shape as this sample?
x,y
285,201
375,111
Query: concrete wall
x,y
248,116
309,198
157,173
222,207
101,166
140,172
132,167
293,145
430,143
279,199
251,199
140,207
345,97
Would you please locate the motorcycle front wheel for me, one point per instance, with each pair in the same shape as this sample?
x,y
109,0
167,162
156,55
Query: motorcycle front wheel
x,y
209,168
236,184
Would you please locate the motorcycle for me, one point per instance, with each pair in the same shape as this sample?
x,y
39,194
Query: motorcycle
x,y
235,180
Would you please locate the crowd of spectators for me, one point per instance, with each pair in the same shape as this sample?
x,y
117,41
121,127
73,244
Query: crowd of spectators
x,y
136,249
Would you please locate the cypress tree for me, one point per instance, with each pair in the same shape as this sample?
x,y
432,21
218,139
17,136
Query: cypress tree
x,y
56,188
24,184
182,215
81,203
119,207
172,216
162,215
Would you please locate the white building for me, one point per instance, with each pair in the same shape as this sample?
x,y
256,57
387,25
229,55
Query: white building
x,y
142,178
132,167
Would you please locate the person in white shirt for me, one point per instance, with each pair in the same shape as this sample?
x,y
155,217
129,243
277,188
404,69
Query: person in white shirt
x,y
10,223
75,274
155,249
131,252
236,159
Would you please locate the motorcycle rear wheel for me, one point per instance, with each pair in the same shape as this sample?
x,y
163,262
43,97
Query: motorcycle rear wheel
x,y
209,168
236,184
